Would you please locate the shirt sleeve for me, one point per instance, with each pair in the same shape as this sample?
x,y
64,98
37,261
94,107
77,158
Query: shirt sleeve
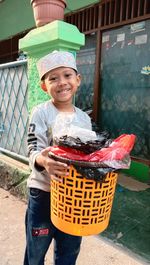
x,y
37,135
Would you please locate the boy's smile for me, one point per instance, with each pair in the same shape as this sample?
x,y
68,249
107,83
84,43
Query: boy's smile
x,y
63,91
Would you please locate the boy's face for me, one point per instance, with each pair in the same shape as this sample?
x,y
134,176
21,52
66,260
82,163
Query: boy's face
x,y
61,84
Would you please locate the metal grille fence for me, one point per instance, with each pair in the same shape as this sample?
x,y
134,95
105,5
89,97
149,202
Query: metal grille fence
x,y
13,107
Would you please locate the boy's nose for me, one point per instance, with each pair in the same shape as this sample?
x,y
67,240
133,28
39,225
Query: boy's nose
x,y
61,80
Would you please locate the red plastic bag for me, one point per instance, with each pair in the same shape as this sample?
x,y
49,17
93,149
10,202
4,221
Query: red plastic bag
x,y
117,155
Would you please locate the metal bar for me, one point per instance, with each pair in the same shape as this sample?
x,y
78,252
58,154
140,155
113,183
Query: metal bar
x,y
83,21
94,18
145,6
79,21
136,8
115,12
99,16
121,11
14,155
75,19
133,7
90,18
86,19
139,5
127,10
12,64
101,22
72,18
110,13
105,15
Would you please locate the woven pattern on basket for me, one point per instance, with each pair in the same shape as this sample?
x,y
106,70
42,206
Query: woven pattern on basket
x,y
78,200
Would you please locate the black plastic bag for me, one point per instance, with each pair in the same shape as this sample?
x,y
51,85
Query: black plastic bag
x,y
97,174
86,147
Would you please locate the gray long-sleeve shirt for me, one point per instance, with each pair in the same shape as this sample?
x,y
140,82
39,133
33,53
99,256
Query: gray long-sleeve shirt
x,y
40,136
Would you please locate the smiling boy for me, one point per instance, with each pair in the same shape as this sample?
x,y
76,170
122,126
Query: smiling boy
x,y
60,80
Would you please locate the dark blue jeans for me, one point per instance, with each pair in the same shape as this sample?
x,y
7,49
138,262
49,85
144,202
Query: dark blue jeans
x,y
40,231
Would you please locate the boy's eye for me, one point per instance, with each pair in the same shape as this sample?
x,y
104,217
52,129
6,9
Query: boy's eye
x,y
68,75
54,78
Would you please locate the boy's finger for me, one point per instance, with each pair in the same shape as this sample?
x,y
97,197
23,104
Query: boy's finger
x,y
60,172
62,164
54,177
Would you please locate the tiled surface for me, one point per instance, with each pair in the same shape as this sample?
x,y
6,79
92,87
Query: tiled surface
x,y
130,221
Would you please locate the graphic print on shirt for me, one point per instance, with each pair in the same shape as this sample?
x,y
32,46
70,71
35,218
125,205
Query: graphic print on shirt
x,y
31,138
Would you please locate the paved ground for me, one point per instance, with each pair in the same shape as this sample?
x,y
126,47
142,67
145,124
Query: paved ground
x,y
95,250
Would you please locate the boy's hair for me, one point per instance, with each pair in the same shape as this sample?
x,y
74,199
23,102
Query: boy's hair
x,y
54,60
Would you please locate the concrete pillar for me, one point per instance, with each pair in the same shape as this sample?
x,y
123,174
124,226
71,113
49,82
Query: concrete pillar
x,y
57,35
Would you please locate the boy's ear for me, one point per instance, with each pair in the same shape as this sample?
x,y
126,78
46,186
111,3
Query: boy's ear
x,y
43,86
79,79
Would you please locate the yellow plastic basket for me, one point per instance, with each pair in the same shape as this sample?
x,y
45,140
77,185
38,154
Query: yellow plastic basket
x,y
80,206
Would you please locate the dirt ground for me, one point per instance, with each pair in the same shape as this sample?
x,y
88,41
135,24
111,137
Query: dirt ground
x,y
95,250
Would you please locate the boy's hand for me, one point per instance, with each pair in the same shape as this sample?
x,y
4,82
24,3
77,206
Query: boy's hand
x,y
53,167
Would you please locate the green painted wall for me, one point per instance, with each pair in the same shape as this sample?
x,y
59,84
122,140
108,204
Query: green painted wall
x,y
17,16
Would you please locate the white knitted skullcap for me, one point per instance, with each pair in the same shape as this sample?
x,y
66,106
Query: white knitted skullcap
x,y
54,60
